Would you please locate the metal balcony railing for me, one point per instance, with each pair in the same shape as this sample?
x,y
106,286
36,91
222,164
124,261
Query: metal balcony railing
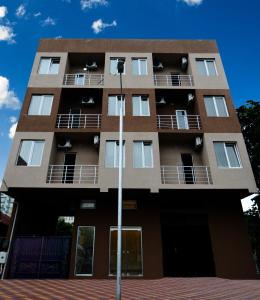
x,y
72,174
78,121
175,122
83,79
173,80
185,175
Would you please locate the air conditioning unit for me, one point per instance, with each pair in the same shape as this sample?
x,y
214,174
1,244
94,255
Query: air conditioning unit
x,y
3,256
191,98
158,67
96,140
184,63
65,145
161,101
92,67
88,101
198,142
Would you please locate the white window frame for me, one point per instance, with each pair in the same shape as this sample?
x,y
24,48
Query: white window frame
x,y
50,64
41,105
139,59
115,157
205,61
234,144
140,105
216,107
143,156
75,264
185,119
117,59
117,105
30,152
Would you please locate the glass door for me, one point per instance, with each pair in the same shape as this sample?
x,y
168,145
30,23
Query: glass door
x,y
182,120
80,79
85,251
132,260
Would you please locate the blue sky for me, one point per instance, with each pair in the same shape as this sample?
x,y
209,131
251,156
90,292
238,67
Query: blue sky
x,y
234,24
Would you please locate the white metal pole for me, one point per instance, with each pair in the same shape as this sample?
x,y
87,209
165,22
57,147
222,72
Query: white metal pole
x,y
119,220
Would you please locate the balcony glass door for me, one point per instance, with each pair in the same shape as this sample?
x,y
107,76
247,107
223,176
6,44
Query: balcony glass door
x,y
182,120
80,79
69,166
132,264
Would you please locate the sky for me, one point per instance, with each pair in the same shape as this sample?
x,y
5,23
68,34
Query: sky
x,y
234,24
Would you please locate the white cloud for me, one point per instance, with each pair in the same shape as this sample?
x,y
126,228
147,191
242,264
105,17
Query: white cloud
x,y
6,34
88,4
3,11
48,22
58,37
20,11
8,98
37,14
13,119
192,2
12,130
99,25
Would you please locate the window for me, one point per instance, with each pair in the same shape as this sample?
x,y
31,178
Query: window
x,y
206,67
40,105
227,155
114,103
216,106
85,251
143,154
139,66
113,65
30,153
112,154
140,106
49,65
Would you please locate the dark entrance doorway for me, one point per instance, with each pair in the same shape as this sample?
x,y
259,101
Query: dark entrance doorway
x,y
69,166
187,168
186,245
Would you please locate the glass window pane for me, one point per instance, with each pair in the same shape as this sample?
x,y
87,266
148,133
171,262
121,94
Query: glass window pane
x,y
220,155
46,105
113,66
138,161
232,156
182,119
201,67
136,106
24,155
35,105
110,154
210,108
135,67
54,67
211,68
112,103
145,106
148,159
85,249
221,106
44,66
143,66
37,152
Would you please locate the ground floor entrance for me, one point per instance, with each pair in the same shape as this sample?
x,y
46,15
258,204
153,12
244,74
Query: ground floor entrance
x,y
169,234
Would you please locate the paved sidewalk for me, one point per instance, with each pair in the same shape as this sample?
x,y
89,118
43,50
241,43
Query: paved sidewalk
x,y
160,289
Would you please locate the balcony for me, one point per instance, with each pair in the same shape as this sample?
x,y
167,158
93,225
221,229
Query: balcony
x,y
185,175
173,80
174,122
78,121
83,79
73,174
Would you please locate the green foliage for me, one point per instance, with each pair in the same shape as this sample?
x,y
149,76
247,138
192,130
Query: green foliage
x,y
63,228
249,117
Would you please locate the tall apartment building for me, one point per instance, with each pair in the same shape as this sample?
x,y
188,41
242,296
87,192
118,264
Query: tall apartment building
x,y
185,162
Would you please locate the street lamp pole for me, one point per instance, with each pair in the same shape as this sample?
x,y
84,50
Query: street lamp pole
x,y
120,69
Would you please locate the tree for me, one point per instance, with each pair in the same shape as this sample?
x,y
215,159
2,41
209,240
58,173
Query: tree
x,y
249,117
